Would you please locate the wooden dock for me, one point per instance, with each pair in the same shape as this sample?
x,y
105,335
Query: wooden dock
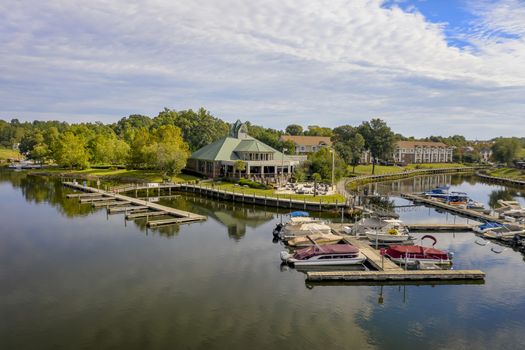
x,y
146,214
120,204
401,275
453,209
375,259
110,203
440,227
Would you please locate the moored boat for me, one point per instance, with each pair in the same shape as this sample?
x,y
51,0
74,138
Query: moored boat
x,y
505,231
411,255
318,238
328,255
487,227
393,231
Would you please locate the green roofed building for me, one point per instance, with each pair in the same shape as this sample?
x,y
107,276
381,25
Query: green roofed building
x,y
260,160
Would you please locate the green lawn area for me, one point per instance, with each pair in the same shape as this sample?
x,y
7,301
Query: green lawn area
x,y
384,169
7,153
271,193
124,174
510,173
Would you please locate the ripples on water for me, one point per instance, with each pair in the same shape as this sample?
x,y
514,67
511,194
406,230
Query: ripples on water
x,y
72,277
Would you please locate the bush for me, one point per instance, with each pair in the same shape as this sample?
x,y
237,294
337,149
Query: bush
x,y
252,184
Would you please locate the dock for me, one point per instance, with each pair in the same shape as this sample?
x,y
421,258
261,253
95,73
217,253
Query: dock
x,y
118,203
401,275
146,214
110,203
375,259
453,209
387,271
441,227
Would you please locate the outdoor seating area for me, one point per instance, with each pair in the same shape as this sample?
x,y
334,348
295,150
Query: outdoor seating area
x,y
306,188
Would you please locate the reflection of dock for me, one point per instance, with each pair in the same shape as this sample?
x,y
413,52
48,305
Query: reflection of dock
x,y
117,203
463,212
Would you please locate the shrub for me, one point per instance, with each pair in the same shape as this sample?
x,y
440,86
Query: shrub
x,y
252,184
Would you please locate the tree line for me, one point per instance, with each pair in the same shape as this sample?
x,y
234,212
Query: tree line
x,y
166,141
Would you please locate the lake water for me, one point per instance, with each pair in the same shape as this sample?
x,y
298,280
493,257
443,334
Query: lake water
x,y
72,277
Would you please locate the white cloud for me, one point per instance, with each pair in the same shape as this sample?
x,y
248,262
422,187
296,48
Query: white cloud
x,y
273,62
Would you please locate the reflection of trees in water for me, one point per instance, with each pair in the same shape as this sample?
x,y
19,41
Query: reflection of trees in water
x,y
506,195
382,202
38,189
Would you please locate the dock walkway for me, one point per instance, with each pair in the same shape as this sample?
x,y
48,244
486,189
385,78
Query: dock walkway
x,y
401,275
461,211
136,204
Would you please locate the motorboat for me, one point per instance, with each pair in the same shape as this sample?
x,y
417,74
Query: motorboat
x,y
296,218
327,255
487,227
444,194
504,231
290,231
367,224
318,238
475,205
393,231
415,254
441,191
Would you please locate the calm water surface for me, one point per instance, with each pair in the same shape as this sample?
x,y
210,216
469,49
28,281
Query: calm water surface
x,y
72,277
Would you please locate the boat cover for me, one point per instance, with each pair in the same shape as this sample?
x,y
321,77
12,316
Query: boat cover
x,y
401,250
306,253
295,214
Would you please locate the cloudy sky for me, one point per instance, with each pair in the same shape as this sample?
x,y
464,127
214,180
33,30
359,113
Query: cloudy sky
x,y
426,67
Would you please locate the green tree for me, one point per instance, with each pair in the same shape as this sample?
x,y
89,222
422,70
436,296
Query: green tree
x,y
71,151
172,152
321,162
505,150
316,130
294,129
379,140
239,166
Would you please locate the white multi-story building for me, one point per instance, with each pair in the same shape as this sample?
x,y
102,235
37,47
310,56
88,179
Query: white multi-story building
x,y
422,152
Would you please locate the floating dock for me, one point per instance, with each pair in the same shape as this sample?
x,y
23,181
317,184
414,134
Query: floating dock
x,y
461,211
401,275
440,227
387,270
118,203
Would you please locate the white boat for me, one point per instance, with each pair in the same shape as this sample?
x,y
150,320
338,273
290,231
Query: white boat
x,y
487,227
506,231
393,231
328,255
292,230
318,238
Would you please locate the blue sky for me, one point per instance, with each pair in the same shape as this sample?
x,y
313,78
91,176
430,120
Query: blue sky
x,y
426,67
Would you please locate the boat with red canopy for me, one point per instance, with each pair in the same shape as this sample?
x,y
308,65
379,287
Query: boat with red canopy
x,y
409,255
327,255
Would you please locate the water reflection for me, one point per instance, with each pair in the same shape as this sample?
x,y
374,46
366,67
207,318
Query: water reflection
x,y
78,281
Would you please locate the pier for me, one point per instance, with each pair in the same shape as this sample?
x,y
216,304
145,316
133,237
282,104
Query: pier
x,y
280,201
461,211
401,275
387,270
118,203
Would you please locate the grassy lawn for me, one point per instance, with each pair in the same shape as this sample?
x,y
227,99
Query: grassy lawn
x,y
384,169
271,193
124,174
510,173
7,153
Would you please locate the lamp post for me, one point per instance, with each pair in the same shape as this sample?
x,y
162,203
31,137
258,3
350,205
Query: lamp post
x,y
333,168
282,162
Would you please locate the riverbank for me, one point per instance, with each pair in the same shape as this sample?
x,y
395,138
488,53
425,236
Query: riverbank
x,y
507,173
113,176
394,169
353,183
